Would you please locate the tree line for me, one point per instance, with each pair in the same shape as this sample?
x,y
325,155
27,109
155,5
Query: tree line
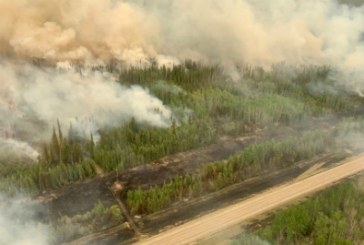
x,y
252,161
334,216
206,106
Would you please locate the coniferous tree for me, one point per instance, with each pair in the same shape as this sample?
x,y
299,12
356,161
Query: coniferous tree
x,y
55,148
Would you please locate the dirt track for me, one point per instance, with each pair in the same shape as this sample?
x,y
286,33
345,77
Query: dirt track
x,y
224,218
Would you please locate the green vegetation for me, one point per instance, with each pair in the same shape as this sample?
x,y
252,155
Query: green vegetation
x,y
206,105
157,198
95,220
334,216
35,178
190,75
131,144
252,161
266,157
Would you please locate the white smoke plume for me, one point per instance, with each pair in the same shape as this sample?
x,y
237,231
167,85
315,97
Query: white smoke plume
x,y
264,32
33,99
94,32
15,151
17,225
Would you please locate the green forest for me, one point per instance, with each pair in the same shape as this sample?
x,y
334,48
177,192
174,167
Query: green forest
x,y
181,121
334,216
207,106
254,160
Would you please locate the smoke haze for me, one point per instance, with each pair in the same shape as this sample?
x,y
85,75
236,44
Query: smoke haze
x,y
33,99
259,33
15,151
94,32
18,226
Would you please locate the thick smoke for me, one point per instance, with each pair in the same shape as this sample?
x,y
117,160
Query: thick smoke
x,y
15,151
84,31
231,31
263,33
17,225
94,32
33,99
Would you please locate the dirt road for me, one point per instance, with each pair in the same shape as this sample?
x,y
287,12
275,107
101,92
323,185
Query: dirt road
x,y
224,218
